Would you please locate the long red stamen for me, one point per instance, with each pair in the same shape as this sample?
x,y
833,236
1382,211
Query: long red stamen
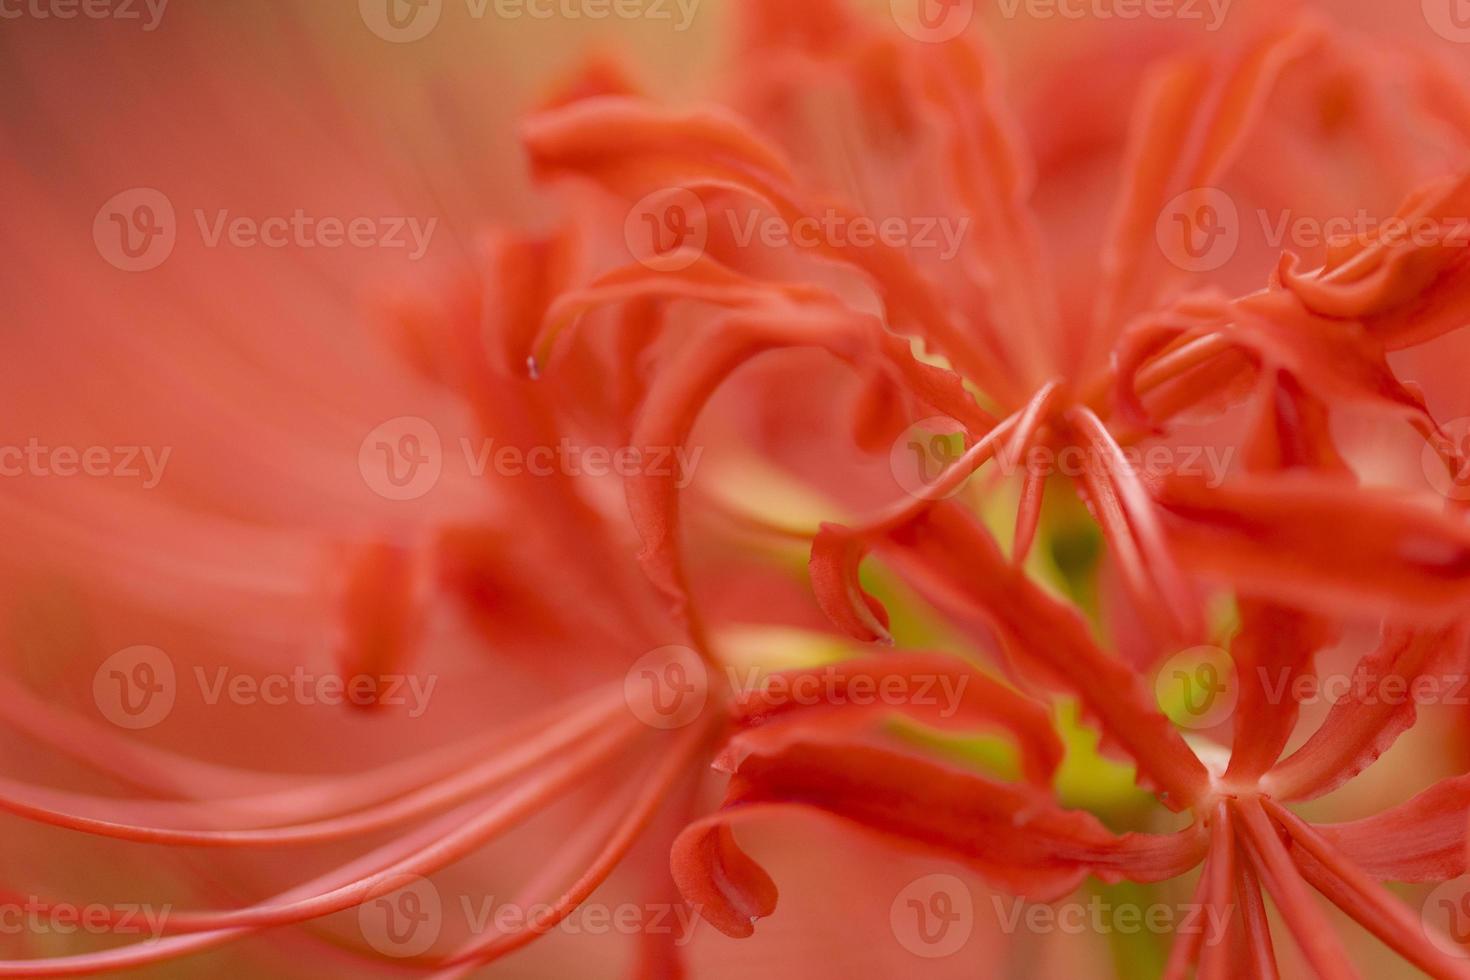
x,y
1258,945
1211,892
1367,901
431,798
468,828
1308,924
1131,517
635,821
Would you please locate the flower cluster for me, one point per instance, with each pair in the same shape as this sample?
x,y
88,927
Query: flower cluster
x,y
888,413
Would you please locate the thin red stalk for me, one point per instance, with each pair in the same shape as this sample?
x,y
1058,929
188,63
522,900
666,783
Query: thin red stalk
x,y
1367,901
903,511
571,855
1305,918
633,824
1215,957
546,785
1028,514
1257,928
1185,951
475,826
1356,732
1141,519
101,747
1030,421
440,795
1034,485
1114,525
174,947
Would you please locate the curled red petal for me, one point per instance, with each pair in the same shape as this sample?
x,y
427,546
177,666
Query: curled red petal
x,y
1286,537
1012,836
954,561
1406,286
680,392
835,559
719,879
1009,833
1422,839
633,148
1378,708
1334,359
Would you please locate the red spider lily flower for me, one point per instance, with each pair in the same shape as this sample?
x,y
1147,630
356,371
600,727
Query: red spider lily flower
x,y
533,339
1302,348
